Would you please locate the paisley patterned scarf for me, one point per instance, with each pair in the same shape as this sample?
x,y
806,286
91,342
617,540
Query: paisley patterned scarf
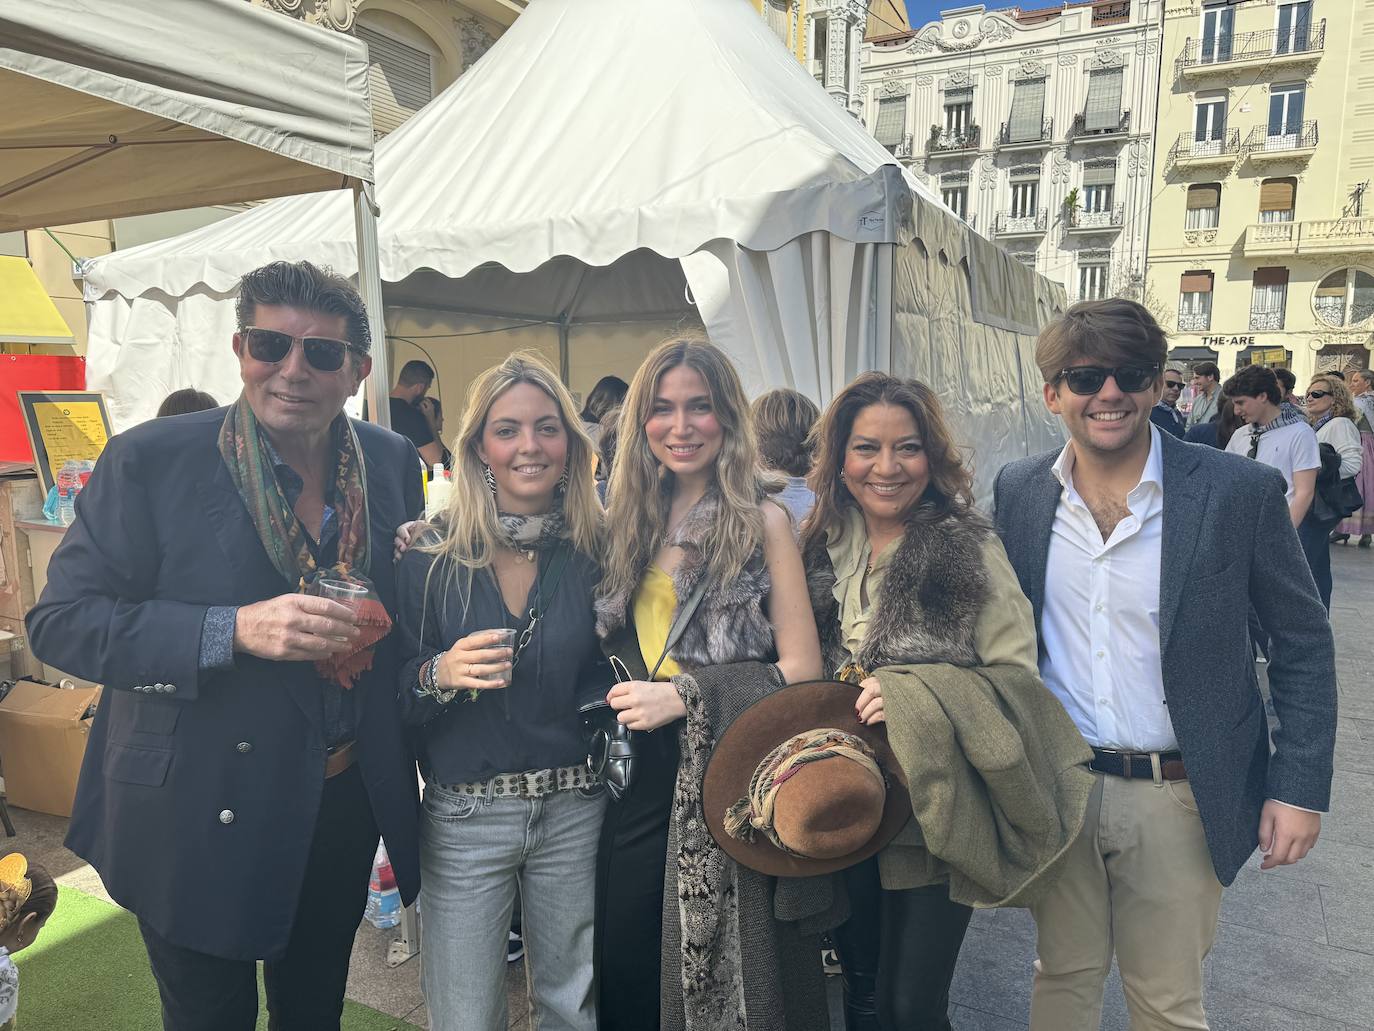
x,y
245,453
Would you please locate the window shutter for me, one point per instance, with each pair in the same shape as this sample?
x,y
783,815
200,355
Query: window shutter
x,y
1278,194
780,20
1104,99
1025,174
1271,277
1027,111
399,78
1196,283
1204,195
963,95
890,125
1100,173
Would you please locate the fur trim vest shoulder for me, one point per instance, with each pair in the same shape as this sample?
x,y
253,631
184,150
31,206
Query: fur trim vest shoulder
x,y
730,625
928,603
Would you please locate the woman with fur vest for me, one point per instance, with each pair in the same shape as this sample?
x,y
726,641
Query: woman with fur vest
x,y
917,604
703,597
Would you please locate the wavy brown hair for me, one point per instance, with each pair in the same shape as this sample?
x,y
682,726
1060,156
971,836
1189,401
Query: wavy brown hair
x,y
950,491
640,489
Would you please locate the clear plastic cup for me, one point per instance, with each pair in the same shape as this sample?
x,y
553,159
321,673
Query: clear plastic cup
x,y
507,640
343,592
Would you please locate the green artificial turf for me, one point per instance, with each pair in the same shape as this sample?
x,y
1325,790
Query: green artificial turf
x,y
88,970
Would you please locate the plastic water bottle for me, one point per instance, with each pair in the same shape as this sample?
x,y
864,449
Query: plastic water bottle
x,y
70,479
440,488
383,897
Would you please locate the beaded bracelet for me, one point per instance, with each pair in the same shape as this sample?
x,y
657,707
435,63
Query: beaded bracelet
x,y
429,683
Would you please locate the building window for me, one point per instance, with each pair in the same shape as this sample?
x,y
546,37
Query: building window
x,y
1025,198
1286,105
400,78
1295,23
1204,206
889,127
819,33
1026,258
1027,121
1092,281
1195,302
1218,30
1209,126
1269,299
956,199
1103,111
1099,187
1277,199
1345,298
958,111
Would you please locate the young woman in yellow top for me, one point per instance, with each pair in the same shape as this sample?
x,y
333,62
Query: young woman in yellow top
x,y
687,512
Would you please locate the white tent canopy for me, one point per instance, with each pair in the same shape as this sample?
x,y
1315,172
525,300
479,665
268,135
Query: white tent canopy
x,y
132,109
129,108
593,167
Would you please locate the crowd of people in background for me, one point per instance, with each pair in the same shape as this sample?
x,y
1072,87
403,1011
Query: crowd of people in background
x,y
915,709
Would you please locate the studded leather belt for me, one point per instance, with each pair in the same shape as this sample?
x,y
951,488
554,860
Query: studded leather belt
x,y
530,784
343,756
1138,765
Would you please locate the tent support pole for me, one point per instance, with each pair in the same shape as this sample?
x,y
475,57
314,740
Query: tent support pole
x,y
370,287
564,355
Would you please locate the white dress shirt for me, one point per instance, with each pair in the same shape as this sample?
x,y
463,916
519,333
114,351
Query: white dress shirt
x,y
1100,623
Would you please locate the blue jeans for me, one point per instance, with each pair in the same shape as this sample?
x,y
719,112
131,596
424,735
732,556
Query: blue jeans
x,y
473,851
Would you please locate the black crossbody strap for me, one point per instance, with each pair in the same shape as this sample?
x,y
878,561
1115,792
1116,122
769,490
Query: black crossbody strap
x,y
679,627
549,577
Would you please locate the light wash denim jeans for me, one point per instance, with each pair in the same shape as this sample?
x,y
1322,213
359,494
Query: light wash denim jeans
x,y
473,850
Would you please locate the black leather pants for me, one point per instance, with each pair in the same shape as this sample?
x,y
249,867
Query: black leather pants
x,y
898,950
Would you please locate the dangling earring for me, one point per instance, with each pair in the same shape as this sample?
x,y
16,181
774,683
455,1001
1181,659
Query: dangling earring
x,y
562,487
491,479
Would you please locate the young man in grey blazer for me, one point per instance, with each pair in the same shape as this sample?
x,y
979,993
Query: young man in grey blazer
x,y
1142,556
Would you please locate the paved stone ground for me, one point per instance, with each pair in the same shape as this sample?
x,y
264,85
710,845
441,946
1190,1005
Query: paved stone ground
x,y
1295,951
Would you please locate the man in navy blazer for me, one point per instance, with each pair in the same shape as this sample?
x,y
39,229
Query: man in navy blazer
x,y
1142,557
232,796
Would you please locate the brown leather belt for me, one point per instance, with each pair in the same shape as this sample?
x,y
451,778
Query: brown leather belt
x,y
340,759
1138,765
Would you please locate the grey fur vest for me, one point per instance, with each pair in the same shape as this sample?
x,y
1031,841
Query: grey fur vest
x,y
730,625
928,603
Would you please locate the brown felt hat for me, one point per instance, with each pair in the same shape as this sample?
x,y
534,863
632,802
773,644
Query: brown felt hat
x,y
833,812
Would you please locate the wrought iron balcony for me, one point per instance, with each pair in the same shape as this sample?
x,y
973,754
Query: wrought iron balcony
x,y
1080,132
1112,14
1271,46
1015,223
1005,142
902,148
1194,321
1106,221
1265,319
1320,236
949,141
1262,145
1189,151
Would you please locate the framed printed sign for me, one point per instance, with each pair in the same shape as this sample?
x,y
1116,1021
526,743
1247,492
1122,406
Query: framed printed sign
x,y
63,425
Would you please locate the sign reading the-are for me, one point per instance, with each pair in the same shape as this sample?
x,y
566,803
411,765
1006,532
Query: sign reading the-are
x,y
1228,342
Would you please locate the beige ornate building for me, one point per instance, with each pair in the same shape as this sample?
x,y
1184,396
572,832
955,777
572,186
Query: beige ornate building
x,y
1036,127
1262,238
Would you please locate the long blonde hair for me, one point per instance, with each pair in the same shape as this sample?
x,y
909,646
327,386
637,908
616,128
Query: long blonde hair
x,y
640,489
471,534
1342,403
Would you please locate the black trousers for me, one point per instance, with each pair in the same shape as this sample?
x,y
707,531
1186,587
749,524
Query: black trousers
x,y
305,987
629,890
898,950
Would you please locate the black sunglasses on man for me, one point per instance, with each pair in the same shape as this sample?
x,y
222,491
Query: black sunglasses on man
x,y
1086,380
271,347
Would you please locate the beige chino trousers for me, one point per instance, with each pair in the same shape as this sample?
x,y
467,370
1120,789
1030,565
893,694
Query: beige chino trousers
x,y
1139,881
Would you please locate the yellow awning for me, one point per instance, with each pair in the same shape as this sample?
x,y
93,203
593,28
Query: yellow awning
x,y
27,314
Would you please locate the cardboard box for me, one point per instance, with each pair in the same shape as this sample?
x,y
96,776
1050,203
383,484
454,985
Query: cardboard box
x,y
43,732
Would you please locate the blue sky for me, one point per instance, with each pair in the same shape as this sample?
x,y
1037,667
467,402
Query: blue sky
x,y
922,11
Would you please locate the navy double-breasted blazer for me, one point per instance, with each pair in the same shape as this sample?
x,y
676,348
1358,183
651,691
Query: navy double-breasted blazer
x,y
199,791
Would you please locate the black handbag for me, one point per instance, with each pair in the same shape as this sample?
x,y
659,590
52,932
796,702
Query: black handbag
x,y
611,748
1334,498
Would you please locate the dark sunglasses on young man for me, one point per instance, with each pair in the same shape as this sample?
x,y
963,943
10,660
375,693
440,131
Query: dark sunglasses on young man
x,y
272,346
1085,380
1173,384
